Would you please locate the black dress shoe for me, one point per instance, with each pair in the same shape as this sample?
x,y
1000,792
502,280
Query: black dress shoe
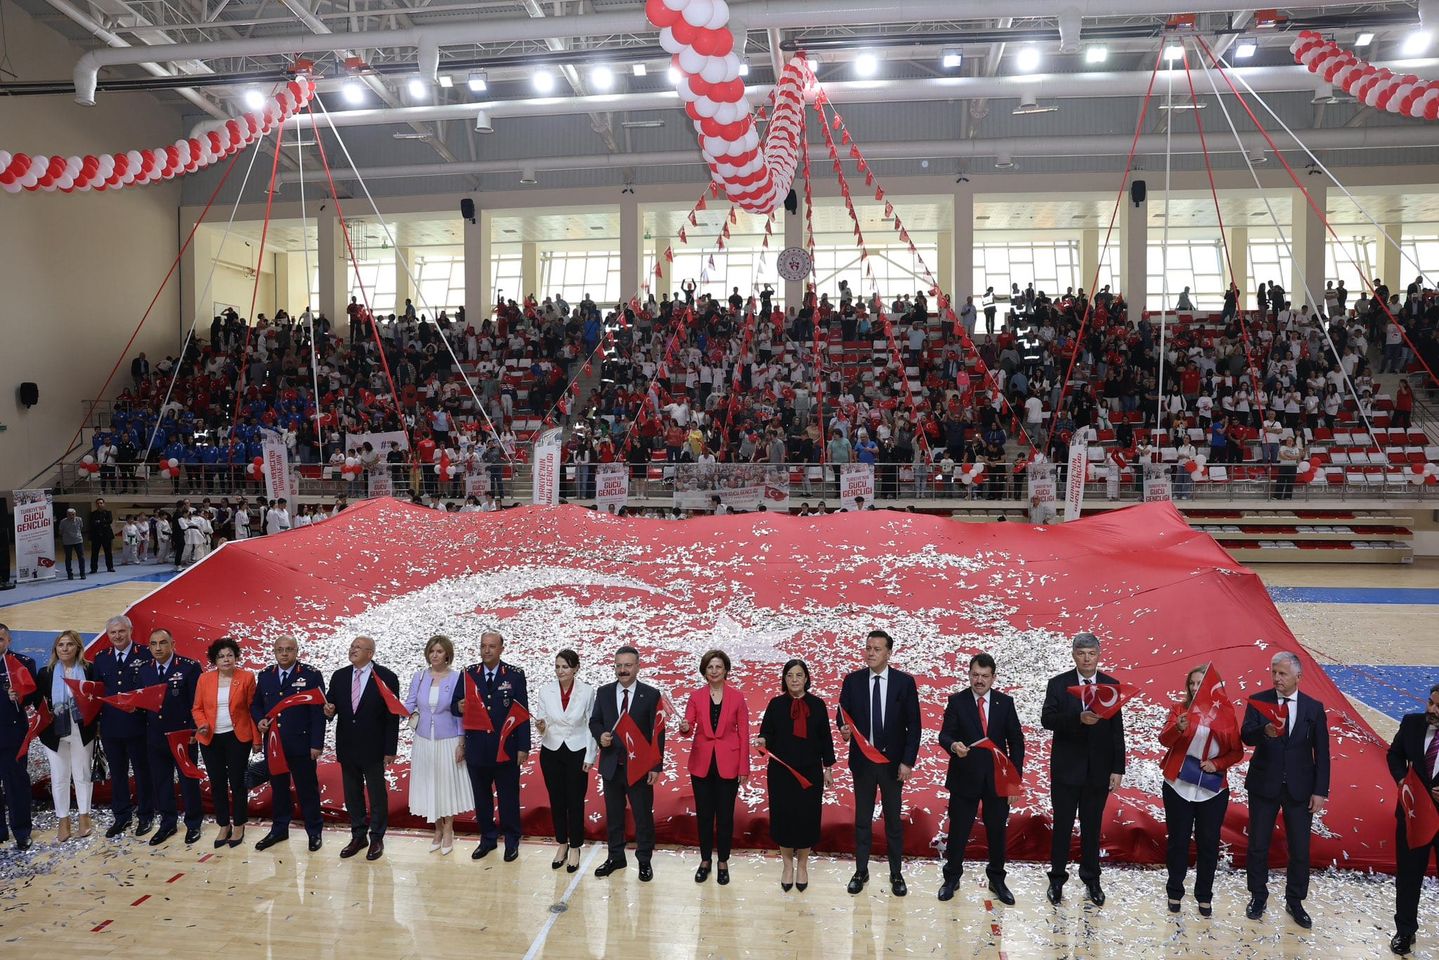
x,y
315,844
1094,892
1174,906
897,885
1055,893
722,876
1400,944
143,827
117,828
1206,909
702,873
1001,892
23,843
946,890
609,867
1296,910
270,839
512,855
355,845
377,849
161,835
482,851
647,872
1255,910
857,882
192,834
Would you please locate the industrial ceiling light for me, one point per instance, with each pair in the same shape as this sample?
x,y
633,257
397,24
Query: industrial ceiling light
x,y
1028,105
479,82
254,99
1028,59
544,81
354,92
416,86
743,69
1173,53
527,175
446,81
674,75
1245,49
602,78
483,123
1003,161
1096,53
1364,39
1416,43
951,60
866,64
1258,156
639,70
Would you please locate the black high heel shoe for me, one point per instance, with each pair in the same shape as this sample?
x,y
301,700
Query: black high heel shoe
x,y
572,867
224,839
556,864
238,840
786,887
801,887
1174,906
1206,909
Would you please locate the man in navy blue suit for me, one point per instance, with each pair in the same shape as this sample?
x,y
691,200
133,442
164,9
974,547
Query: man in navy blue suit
x,y
179,674
1416,746
367,736
14,771
883,703
1288,773
302,737
499,684
971,715
122,735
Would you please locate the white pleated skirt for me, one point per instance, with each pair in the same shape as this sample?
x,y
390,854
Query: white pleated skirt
x,y
439,787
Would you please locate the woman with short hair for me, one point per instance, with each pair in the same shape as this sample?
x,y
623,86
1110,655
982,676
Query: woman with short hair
x,y
227,735
797,736
719,760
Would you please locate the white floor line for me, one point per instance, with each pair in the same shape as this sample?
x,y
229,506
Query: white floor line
x,y
539,942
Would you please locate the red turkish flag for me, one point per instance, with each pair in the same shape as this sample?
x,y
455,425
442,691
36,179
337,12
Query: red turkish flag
x,y
39,720
517,715
1211,706
1103,699
669,254
87,694
22,684
275,751
392,700
179,742
476,716
150,698
1275,713
640,755
1421,818
804,782
683,238
1007,779
313,697
865,747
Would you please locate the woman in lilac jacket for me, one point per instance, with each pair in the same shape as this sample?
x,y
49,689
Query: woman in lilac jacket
x,y
439,784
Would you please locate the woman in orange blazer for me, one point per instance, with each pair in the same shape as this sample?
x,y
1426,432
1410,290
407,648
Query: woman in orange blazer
x,y
227,735
1201,744
719,760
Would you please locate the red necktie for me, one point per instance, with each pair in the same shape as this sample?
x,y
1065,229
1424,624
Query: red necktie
x,y
1431,755
983,718
625,703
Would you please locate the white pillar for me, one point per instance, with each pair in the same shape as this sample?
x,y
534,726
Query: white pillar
x,y
631,247
1134,237
1239,257
194,268
944,269
404,289
793,291
334,267
1088,259
1306,281
1391,264
530,271
962,246
477,268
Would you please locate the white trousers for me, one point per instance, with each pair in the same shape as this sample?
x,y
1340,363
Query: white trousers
x,y
71,764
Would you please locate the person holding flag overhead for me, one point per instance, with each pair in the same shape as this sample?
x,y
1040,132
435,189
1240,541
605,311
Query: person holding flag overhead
x,y
364,696
497,746
1414,763
879,716
227,734
1086,762
18,691
982,734
289,705
627,723
68,686
1201,741
122,732
1288,773
795,738
178,676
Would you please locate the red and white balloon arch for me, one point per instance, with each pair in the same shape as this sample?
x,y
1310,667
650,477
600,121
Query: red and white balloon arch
x,y
112,171
1372,86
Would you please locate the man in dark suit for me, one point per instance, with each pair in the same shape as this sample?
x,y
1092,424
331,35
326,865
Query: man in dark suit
x,y
971,715
1086,763
122,735
884,704
1289,773
302,738
499,685
367,739
179,674
1416,745
14,771
102,537
641,701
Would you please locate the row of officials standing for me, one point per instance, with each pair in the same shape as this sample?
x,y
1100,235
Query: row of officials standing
x,y
460,765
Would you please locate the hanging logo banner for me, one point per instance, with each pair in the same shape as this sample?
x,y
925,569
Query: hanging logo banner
x,y
612,487
856,480
1074,481
1043,494
34,535
547,468
382,484
1157,485
279,484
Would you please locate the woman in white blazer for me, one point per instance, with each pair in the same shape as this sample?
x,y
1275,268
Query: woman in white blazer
x,y
567,751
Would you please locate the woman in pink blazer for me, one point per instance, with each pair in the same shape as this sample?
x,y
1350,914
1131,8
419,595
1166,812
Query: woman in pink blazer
x,y
719,760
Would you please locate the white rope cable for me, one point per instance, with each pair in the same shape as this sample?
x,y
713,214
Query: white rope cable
x,y
419,291
309,308
1164,248
1323,329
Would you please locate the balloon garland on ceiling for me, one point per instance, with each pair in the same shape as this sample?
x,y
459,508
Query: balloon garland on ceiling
x,y
1372,86
755,174
112,171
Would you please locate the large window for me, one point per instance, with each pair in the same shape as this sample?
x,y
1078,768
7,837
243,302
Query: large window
x,y
1196,264
441,283
573,273
1052,266
1423,251
896,270
1270,260
718,272
1353,260
506,271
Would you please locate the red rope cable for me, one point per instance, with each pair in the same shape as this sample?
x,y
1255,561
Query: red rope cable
x,y
74,441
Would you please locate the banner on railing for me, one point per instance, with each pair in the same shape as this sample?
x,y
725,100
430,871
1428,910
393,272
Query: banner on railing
x,y
856,480
279,481
381,483
380,441
1043,493
1074,481
547,468
34,535
1157,485
612,487
739,486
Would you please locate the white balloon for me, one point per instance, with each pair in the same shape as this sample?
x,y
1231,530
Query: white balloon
x,y
182,148
750,140
716,145
41,163
697,12
107,166
49,187
713,70
83,188
719,16
1398,99
675,4
706,107
1371,99
669,42
692,61
135,159
73,165
5,158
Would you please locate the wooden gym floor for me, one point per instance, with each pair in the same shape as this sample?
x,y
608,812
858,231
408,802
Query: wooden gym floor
x,y
1372,628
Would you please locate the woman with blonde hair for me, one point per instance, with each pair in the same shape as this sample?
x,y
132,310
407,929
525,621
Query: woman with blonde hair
x,y
439,782
69,742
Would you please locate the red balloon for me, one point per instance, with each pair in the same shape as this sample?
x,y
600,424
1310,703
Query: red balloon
x,y
296,91
1431,112
56,168
730,91
699,85
693,113
712,128
122,164
660,15
714,43
684,33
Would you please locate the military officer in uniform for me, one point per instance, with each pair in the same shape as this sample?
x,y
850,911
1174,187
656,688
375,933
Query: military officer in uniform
x,y
302,737
122,735
500,685
179,675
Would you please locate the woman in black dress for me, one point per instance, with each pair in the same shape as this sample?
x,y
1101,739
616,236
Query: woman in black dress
x,y
795,730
